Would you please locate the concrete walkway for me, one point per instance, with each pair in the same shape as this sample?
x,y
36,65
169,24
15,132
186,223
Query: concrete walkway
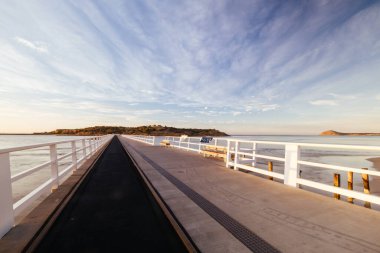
x,y
273,216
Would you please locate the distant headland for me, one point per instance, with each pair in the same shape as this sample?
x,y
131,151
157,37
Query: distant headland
x,y
156,130
335,133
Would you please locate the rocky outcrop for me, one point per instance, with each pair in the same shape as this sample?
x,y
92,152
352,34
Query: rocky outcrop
x,y
335,133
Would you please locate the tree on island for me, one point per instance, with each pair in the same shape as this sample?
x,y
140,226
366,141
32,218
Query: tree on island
x,y
156,130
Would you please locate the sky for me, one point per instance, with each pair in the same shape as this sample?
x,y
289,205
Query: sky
x,y
243,67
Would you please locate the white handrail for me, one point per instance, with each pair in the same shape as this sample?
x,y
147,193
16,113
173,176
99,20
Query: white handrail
x,y
39,145
353,194
8,209
29,171
341,168
243,154
142,138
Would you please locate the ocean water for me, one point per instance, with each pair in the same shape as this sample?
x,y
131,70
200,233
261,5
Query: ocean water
x,y
10,141
347,140
22,160
343,157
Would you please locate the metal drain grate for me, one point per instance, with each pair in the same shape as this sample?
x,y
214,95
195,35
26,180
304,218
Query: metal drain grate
x,y
243,234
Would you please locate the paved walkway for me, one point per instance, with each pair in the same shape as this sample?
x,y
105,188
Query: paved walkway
x,y
228,211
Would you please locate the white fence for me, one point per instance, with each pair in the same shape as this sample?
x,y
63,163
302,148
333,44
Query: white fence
x,y
151,140
81,149
243,154
146,139
193,143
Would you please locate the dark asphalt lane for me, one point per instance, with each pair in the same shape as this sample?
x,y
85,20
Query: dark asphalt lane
x,y
112,211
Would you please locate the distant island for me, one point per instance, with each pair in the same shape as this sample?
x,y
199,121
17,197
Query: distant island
x,y
156,130
332,132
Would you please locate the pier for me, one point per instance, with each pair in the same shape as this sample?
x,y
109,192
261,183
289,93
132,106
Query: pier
x,y
139,196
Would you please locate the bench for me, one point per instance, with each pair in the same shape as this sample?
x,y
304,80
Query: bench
x,y
214,151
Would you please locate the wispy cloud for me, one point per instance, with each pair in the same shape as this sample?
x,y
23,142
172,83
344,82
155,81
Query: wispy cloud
x,y
236,113
37,46
333,99
271,107
252,59
324,102
343,96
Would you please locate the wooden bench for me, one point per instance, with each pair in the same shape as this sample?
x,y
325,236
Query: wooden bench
x,y
165,143
214,151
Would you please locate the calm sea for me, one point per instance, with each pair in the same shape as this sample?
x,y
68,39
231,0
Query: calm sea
x,y
23,160
10,141
349,140
351,158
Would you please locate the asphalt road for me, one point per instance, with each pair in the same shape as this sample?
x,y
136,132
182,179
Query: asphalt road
x,y
112,211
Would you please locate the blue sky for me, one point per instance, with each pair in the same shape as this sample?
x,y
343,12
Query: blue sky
x,y
244,67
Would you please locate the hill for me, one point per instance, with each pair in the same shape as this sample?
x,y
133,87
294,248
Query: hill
x,y
157,130
335,133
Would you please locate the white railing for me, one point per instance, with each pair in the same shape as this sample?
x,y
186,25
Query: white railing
x,y
142,138
188,143
193,143
289,154
81,149
243,154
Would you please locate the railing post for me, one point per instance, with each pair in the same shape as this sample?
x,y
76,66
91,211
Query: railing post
x,y
95,144
336,184
254,154
188,143
365,179
292,153
54,167
236,160
90,145
350,185
270,168
228,158
6,201
74,155
84,148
